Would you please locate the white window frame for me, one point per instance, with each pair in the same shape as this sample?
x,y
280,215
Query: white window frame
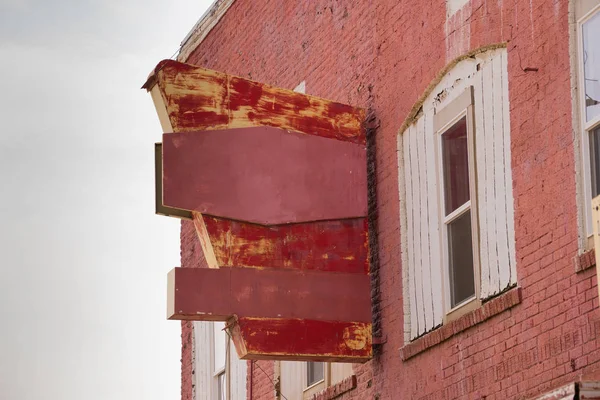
x,y
444,119
425,277
318,386
216,373
586,128
292,377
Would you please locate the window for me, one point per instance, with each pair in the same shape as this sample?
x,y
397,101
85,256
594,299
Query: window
x,y
315,373
456,193
457,215
301,380
220,342
218,372
591,66
317,378
454,126
589,90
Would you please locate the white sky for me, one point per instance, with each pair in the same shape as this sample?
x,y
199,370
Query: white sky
x,y
83,258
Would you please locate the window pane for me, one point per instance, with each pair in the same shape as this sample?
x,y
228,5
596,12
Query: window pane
x,y
595,161
221,387
315,372
591,66
220,338
460,254
455,166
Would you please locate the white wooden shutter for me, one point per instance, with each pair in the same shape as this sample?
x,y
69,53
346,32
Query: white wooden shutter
x,y
420,219
204,370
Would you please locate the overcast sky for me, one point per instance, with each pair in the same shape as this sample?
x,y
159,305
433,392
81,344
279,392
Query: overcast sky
x,y
83,258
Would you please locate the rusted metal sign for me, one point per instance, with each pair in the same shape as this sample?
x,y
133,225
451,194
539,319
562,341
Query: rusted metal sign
x,y
275,184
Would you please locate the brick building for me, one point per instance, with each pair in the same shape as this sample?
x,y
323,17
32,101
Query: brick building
x,y
483,148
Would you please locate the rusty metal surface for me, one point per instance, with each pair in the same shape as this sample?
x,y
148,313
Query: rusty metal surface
x,y
200,99
302,340
338,245
264,175
297,291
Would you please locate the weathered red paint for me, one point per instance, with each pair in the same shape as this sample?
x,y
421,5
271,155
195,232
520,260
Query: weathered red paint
x,y
245,93
264,175
302,340
340,245
396,49
216,294
284,208
199,99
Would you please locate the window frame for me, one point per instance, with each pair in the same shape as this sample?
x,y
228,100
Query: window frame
x,y
316,387
216,373
444,119
585,127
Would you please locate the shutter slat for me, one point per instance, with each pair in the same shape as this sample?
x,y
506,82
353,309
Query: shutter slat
x,y
499,177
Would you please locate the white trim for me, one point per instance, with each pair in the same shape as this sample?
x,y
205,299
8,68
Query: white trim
x,y
202,28
317,383
216,373
452,122
310,390
593,123
409,329
292,378
589,14
425,307
577,144
458,212
236,370
467,113
453,6
462,303
301,87
585,127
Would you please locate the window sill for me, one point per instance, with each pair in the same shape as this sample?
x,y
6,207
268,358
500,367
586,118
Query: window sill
x,y
463,309
336,390
585,260
317,387
488,309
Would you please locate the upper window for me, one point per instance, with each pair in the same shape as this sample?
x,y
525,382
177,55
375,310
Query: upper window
x,y
218,373
317,378
301,380
589,77
457,213
457,218
590,32
219,361
315,373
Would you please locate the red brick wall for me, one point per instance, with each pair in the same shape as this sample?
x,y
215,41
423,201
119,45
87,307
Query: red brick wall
x,y
382,55
187,361
260,383
191,257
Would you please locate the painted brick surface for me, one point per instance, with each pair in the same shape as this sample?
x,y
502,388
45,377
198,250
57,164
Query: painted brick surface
x,y
191,257
260,382
381,56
